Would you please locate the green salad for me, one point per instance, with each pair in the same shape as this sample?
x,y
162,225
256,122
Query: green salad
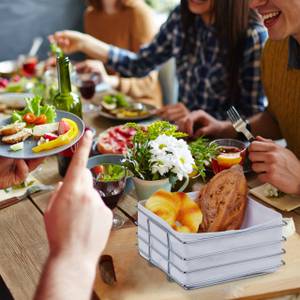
x,y
34,106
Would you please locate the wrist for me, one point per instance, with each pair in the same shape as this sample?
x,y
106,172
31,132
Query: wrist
x,y
65,259
227,130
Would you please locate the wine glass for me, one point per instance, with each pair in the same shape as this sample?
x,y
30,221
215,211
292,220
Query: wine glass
x,y
28,65
86,83
110,181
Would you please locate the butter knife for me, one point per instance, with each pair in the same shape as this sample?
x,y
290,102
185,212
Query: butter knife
x,y
31,190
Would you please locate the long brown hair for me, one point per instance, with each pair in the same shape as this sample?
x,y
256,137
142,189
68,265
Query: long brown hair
x,y
231,21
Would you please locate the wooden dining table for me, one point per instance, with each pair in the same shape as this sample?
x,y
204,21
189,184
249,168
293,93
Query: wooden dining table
x,y
24,250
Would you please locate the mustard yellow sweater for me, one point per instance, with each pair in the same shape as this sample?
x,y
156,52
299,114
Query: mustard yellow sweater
x,y
129,28
282,87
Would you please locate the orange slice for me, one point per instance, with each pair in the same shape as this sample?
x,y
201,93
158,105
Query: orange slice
x,y
229,159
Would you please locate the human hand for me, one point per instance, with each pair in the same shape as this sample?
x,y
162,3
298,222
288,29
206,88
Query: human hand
x,y
96,66
275,165
69,41
199,123
77,221
15,171
173,112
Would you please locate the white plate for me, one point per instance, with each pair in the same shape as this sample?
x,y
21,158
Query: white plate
x,y
15,100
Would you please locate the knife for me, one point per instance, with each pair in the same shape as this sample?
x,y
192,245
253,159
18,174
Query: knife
x,y
31,190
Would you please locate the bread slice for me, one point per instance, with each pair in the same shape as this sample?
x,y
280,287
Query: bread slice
x,y
17,137
12,128
40,130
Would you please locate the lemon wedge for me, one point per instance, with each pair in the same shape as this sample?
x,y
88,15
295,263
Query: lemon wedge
x,y
229,159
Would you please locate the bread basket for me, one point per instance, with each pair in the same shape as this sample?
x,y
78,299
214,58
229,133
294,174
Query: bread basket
x,y
203,259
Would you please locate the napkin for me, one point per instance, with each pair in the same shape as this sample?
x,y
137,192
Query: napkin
x,y
18,191
284,203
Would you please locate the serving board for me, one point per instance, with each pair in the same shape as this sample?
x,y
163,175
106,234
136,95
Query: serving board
x,y
136,279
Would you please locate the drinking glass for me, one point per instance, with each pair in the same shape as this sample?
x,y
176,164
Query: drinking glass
x,y
86,83
231,152
110,190
28,65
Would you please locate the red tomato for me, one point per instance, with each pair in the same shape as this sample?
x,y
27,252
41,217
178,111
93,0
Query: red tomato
x,y
97,170
63,127
29,118
42,119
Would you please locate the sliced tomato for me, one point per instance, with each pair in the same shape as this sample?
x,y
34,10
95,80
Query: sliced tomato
x,y
97,170
42,119
29,118
63,127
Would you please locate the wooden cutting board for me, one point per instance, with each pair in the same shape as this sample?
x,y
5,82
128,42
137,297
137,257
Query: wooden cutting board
x,y
136,279
284,203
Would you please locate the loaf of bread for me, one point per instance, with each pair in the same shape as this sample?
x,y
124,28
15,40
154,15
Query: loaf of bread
x,y
223,201
177,209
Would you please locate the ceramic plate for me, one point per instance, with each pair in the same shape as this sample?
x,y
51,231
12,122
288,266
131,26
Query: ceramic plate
x,y
14,100
27,153
104,113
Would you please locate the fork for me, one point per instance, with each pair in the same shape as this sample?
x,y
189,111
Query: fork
x,y
239,124
31,190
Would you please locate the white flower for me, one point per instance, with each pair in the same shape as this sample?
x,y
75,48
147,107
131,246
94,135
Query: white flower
x,y
170,155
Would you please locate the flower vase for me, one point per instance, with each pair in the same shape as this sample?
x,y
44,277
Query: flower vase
x,y
145,188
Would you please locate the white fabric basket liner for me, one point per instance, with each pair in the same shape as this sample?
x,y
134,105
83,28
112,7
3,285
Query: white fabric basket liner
x,y
261,225
202,259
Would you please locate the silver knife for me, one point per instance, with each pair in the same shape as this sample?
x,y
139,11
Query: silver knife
x,y
31,190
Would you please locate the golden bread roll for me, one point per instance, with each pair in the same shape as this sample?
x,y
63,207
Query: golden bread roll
x,y
189,214
176,207
223,201
164,205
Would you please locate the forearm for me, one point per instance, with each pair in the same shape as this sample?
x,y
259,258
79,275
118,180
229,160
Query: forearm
x,y
66,278
265,125
95,49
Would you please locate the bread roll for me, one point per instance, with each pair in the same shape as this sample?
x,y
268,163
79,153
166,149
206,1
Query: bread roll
x,y
164,205
223,201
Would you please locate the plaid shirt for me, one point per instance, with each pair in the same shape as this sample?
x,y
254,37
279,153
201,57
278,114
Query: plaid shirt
x,y
202,75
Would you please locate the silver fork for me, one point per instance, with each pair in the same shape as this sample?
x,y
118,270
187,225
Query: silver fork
x,y
239,124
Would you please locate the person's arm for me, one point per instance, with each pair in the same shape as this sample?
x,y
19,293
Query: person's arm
x,y
66,277
265,124
125,62
77,225
252,97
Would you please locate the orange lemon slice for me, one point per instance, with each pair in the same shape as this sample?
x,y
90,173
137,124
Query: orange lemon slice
x,y
229,159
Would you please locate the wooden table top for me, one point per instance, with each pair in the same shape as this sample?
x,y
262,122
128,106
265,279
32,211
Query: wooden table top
x,y
24,249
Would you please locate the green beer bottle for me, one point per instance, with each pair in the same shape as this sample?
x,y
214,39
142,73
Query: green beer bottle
x,y
65,100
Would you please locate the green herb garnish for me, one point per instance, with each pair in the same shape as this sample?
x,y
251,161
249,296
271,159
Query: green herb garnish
x,y
111,173
203,152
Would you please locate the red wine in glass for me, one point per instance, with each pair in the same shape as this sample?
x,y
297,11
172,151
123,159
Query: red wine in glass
x,y
87,89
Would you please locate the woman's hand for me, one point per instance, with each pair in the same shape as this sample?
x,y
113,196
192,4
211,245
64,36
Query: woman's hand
x,y
199,123
15,171
275,165
77,221
173,112
96,66
74,41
